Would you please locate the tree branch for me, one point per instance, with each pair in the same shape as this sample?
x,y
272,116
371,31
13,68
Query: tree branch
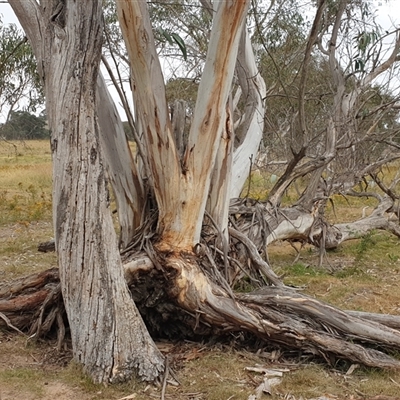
x,y
30,17
394,57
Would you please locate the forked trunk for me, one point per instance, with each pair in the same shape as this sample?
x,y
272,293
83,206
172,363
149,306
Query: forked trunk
x,y
181,188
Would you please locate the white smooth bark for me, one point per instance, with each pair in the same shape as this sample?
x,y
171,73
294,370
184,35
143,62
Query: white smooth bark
x,y
208,122
254,91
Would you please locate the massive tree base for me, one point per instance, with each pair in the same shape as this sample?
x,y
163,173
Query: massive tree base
x,y
189,294
177,298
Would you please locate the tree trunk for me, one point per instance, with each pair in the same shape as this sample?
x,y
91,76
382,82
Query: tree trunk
x,y
250,129
108,335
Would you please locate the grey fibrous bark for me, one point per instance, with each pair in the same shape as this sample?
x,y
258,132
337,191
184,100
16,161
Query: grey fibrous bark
x,y
108,335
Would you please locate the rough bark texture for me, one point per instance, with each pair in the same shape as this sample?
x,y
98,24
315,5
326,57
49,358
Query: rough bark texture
x,y
108,335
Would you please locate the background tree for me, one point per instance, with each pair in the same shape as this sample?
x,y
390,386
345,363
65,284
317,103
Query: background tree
x,y
24,126
19,82
316,123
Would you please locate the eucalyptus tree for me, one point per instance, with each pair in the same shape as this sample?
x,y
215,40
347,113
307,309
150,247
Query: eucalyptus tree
x,y
25,126
182,248
331,93
363,99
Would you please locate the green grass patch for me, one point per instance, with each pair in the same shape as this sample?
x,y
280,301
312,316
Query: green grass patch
x,y
25,379
300,269
353,271
301,274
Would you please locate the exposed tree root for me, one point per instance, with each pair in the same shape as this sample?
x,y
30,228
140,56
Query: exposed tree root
x,y
260,264
9,324
277,315
285,317
30,302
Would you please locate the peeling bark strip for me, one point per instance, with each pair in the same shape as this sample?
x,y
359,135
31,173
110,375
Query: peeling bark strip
x,y
108,335
181,192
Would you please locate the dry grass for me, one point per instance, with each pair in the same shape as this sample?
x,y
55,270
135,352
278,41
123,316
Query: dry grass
x,y
363,275
25,182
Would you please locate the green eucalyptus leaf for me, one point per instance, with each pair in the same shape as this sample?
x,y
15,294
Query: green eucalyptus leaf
x,y
180,42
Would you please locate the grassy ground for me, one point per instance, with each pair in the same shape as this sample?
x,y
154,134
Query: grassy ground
x,y
363,275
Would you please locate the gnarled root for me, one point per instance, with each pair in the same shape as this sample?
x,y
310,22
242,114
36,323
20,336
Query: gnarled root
x,y
275,314
283,316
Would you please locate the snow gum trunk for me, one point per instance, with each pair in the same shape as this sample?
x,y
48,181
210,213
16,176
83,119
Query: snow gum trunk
x,y
108,335
182,186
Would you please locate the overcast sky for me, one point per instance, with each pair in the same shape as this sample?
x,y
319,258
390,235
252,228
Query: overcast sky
x,y
388,16
388,11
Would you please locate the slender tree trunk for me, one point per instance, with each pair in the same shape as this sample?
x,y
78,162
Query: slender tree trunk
x,y
252,127
108,335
